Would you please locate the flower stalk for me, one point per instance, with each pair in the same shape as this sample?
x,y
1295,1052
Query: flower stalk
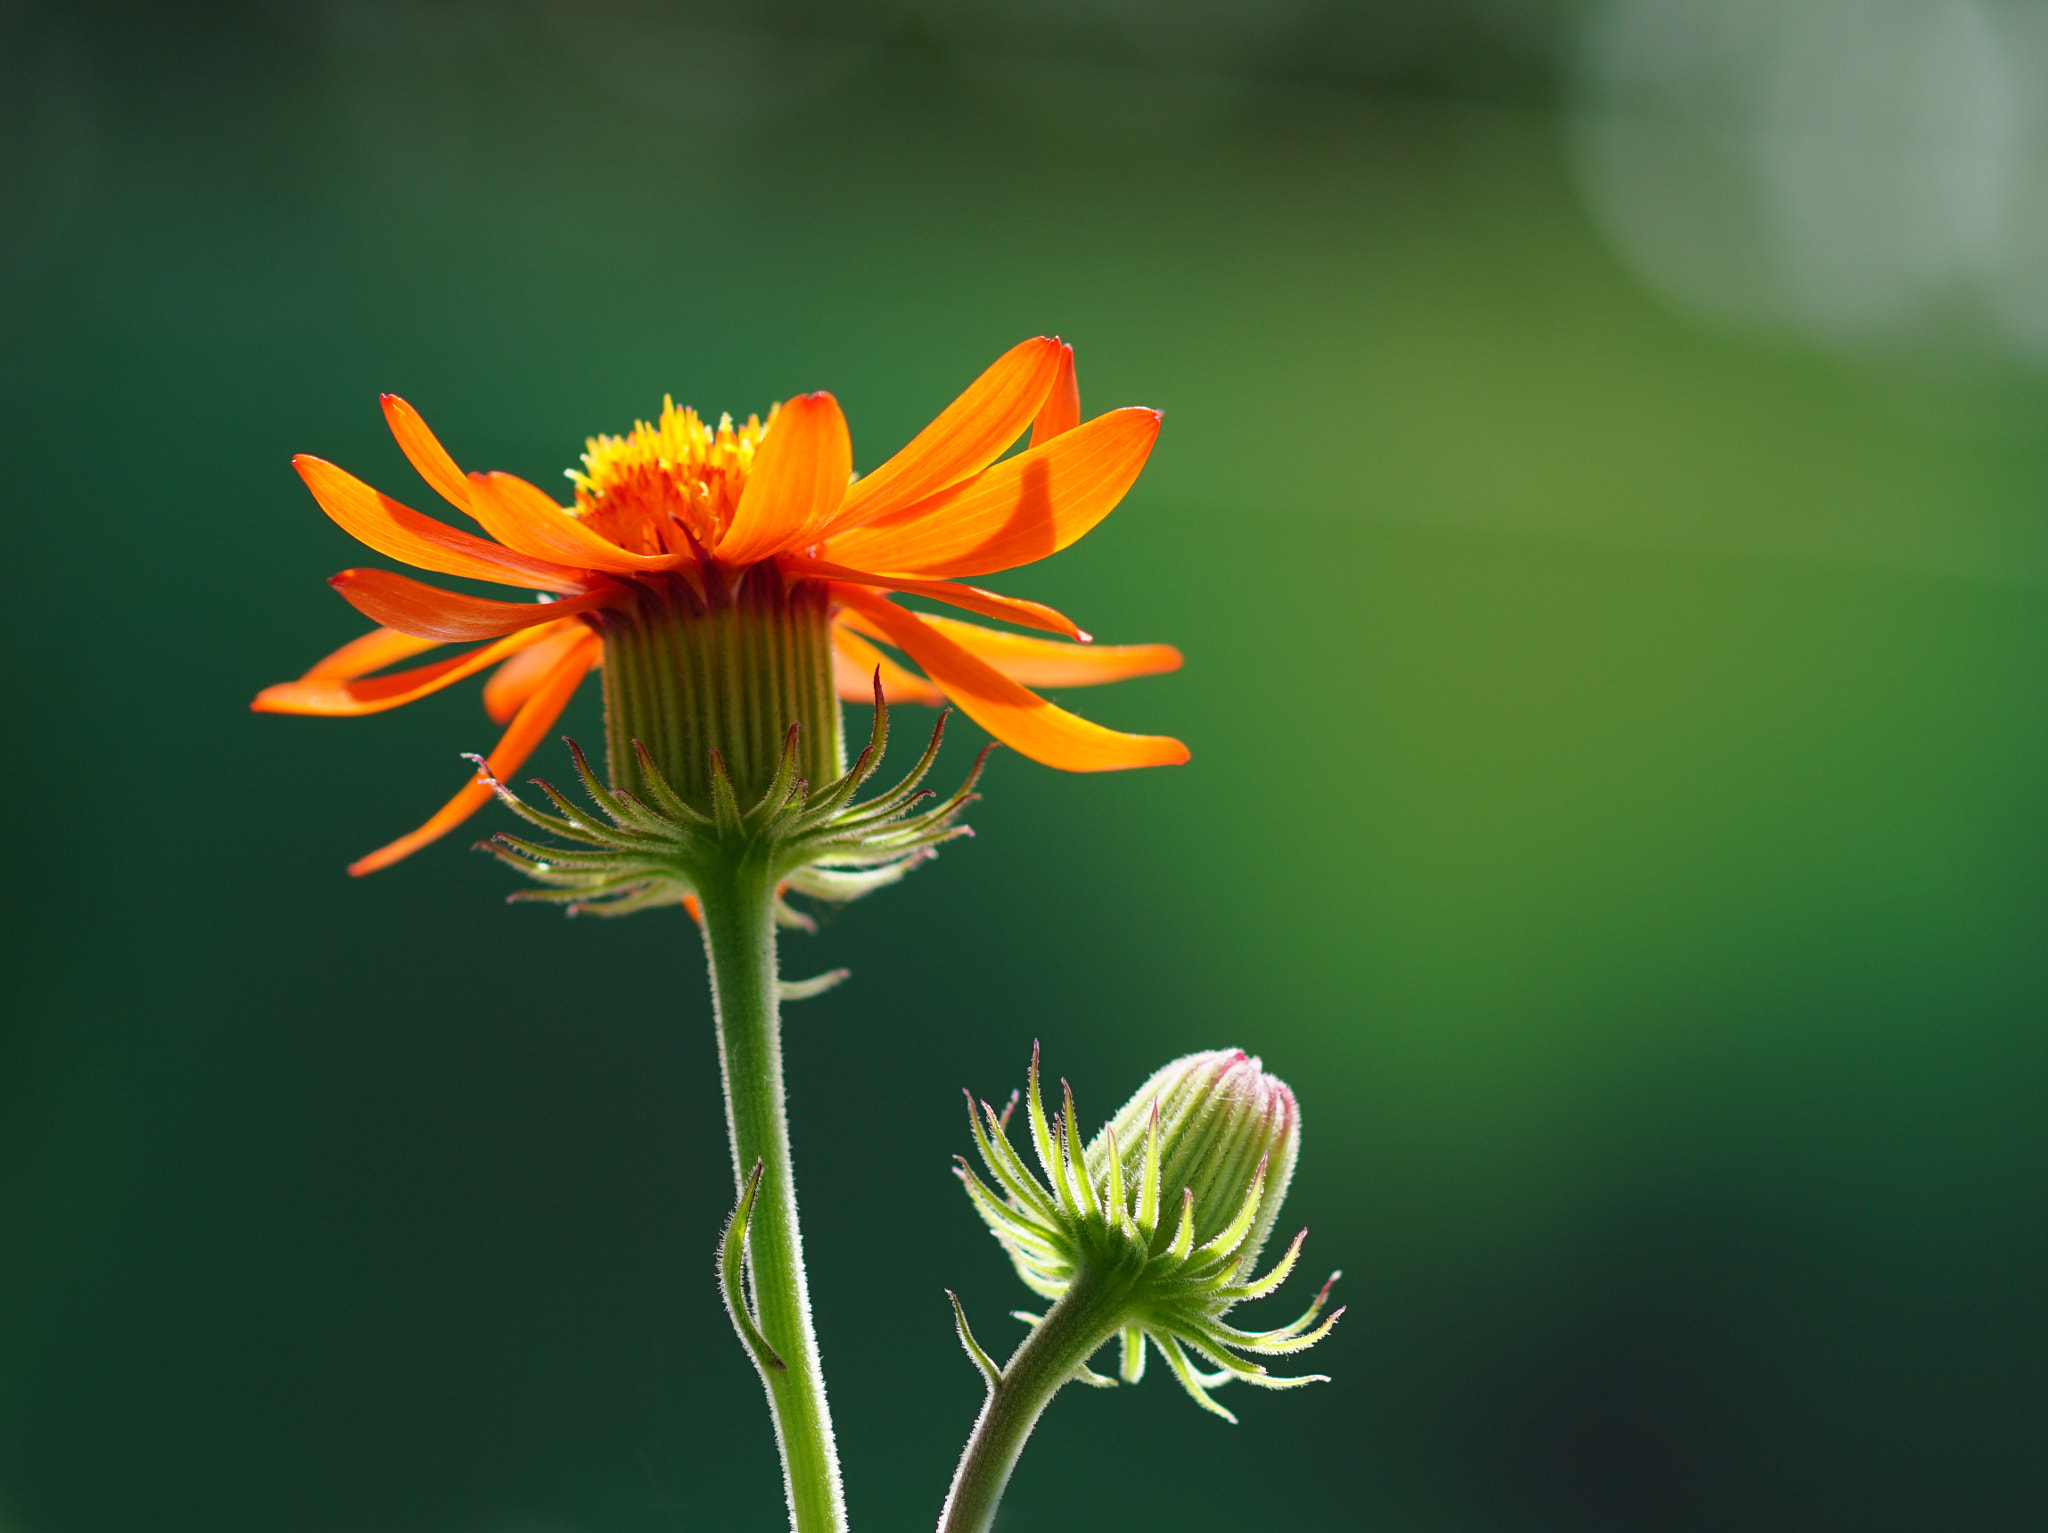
x,y
738,904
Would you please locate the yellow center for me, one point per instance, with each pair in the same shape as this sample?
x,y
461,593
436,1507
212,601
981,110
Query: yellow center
x,y
646,490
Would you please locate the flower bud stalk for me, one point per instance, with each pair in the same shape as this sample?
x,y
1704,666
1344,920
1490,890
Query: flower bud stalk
x,y
1077,1326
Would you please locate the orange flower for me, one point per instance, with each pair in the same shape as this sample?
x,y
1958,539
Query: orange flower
x,y
680,500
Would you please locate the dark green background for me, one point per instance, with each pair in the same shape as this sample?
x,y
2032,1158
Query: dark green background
x,y
1619,800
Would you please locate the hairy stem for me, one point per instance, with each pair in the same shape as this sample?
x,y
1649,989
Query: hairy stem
x,y
1085,1317
739,937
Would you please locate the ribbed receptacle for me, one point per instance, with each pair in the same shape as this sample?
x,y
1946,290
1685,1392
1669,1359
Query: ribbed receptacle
x,y
687,674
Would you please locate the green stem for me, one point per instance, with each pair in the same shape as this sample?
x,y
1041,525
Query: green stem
x,y
1085,1317
739,937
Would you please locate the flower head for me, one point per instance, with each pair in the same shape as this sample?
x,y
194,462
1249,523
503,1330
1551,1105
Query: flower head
x,y
677,472
681,515
1161,1217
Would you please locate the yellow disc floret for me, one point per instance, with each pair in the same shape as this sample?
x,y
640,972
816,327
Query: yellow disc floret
x,y
645,490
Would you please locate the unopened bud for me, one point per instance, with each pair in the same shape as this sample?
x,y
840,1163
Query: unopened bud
x,y
1223,1121
1160,1221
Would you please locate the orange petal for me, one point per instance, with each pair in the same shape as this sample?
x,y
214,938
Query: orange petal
x,y
523,516
426,453
414,607
1049,663
797,481
335,697
372,652
1020,719
1011,609
403,534
1021,510
847,620
854,663
534,719
965,438
1062,408
515,681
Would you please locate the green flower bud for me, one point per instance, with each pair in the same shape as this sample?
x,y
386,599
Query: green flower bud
x,y
1153,1231
1221,1118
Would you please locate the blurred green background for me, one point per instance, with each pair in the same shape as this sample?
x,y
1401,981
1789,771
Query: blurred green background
x,y
1619,801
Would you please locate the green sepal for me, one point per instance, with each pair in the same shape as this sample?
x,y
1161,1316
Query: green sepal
x,y
1193,1383
989,1371
804,989
732,1249
1134,1354
658,849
